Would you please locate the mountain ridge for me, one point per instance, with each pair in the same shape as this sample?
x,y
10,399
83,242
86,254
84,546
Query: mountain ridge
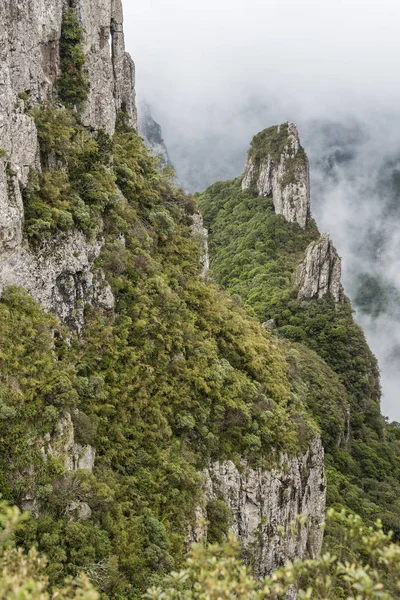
x,y
136,395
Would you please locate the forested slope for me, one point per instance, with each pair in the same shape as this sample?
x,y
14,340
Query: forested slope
x,y
256,254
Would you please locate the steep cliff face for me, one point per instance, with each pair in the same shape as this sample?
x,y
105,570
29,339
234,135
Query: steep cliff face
x,y
277,514
62,446
277,167
60,275
321,271
291,277
30,38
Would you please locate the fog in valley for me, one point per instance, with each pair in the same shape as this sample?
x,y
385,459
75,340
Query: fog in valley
x,y
217,72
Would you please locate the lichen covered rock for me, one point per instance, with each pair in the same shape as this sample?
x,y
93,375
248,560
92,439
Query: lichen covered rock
x,y
277,167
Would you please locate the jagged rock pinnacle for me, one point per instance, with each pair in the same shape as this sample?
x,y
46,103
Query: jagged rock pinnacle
x,y
320,273
277,167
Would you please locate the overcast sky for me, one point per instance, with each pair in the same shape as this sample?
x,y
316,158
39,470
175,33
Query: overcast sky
x,y
323,50
216,72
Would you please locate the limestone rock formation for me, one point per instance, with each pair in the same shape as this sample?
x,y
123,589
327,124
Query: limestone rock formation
x,y
60,275
277,167
277,514
320,273
29,60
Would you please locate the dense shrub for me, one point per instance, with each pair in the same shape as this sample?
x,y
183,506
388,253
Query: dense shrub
x,y
73,83
365,566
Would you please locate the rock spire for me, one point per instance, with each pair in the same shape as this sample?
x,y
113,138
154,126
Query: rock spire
x,y
277,167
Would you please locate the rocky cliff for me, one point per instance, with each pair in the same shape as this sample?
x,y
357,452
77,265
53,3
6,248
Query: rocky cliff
x,y
277,514
60,275
321,271
277,167
201,234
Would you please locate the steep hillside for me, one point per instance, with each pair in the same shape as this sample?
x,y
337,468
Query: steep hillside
x,y
290,276
132,390
143,407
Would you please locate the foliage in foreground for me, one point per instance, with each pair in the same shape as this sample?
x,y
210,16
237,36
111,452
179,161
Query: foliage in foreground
x,y
366,566
23,575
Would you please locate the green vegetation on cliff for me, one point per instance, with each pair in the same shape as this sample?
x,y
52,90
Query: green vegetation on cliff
x,y
255,254
366,566
177,375
76,185
73,83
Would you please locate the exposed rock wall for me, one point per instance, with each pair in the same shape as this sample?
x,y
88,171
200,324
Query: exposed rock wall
x,y
60,275
29,58
62,445
267,507
277,166
321,271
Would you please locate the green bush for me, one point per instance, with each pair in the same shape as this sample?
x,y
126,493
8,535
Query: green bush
x,y
366,567
78,187
73,83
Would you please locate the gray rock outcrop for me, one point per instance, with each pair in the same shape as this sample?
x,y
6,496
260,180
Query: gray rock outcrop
x,y
277,514
29,60
61,444
321,271
79,511
277,167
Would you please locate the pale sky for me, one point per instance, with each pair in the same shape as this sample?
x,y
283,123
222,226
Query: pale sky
x,y
326,50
